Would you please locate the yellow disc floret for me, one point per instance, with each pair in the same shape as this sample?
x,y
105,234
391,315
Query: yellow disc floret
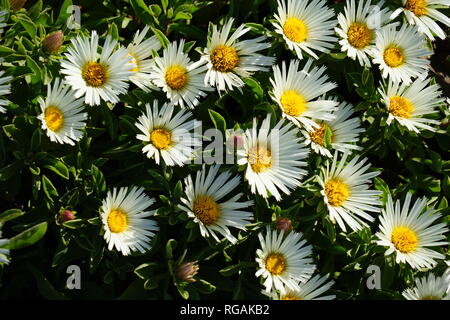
x,y
418,7
117,221
393,56
336,191
161,138
176,77
260,159
293,104
400,107
224,58
54,118
359,35
404,239
95,74
275,263
207,210
295,30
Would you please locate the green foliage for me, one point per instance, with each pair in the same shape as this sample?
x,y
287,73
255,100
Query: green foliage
x,y
39,178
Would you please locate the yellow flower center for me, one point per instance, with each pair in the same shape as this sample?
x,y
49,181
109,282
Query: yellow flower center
x,y
95,74
206,210
418,7
290,296
54,118
404,239
318,136
336,191
293,103
134,61
260,159
275,263
393,56
295,30
224,58
117,221
430,298
359,35
400,107
176,77
161,138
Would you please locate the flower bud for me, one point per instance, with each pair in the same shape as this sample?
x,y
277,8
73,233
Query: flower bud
x,y
66,215
53,42
284,224
187,271
17,4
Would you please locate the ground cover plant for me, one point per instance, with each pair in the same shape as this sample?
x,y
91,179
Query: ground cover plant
x,y
279,149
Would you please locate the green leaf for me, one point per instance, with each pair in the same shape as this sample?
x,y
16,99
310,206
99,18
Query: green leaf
x,y
255,86
27,237
64,13
170,246
10,215
35,140
155,10
146,270
35,10
28,25
48,187
142,11
233,269
74,224
204,286
161,37
98,179
218,120
58,167
37,77
45,287
328,136
114,32
182,16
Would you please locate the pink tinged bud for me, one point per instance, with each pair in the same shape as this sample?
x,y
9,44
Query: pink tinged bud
x,y
53,42
284,224
17,4
187,271
66,215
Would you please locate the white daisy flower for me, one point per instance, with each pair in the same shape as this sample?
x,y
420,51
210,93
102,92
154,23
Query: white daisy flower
x,y
168,136
139,51
284,260
3,13
294,91
274,158
428,288
179,77
345,188
310,290
409,103
5,88
410,232
424,14
209,202
3,252
124,216
357,26
62,117
228,59
97,77
344,131
402,53
306,26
